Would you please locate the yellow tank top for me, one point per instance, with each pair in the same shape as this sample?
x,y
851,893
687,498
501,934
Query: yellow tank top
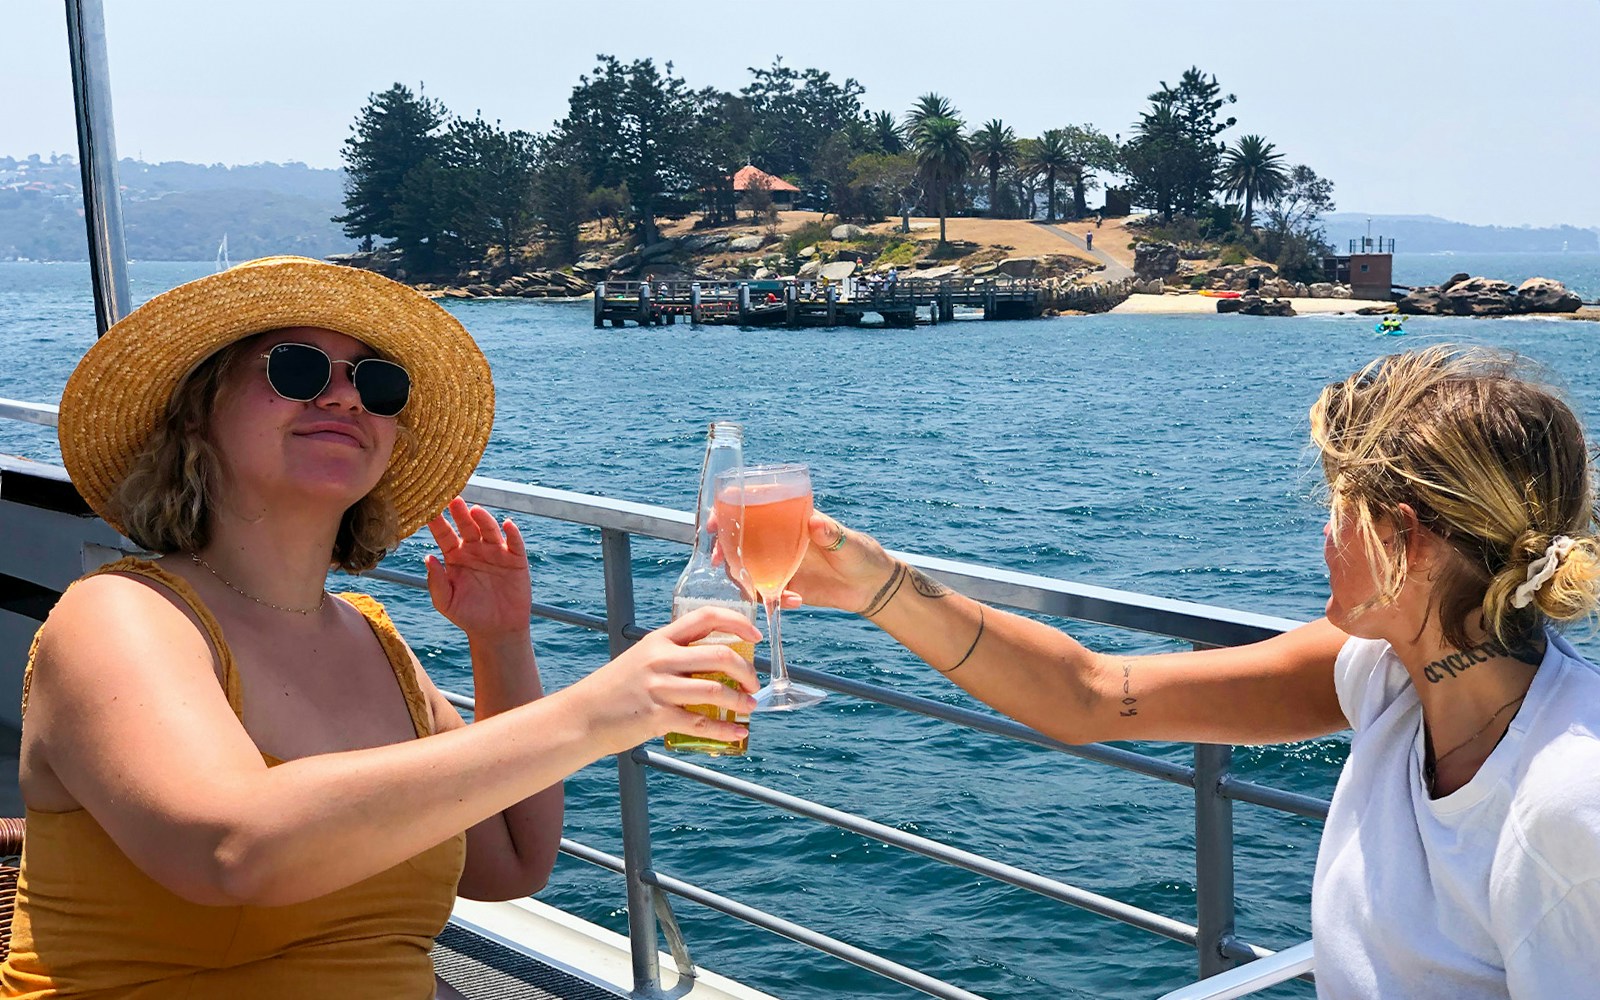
x,y
91,924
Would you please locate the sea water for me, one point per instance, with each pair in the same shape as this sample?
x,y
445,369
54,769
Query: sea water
x,y
1165,455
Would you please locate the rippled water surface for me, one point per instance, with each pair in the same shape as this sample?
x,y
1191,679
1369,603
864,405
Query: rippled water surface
x,y
1162,455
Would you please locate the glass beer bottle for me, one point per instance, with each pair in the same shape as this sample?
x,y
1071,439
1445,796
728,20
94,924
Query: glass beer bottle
x,y
704,584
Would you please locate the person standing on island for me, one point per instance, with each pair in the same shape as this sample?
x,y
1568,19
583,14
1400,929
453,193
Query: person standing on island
x,y
1460,859
237,784
1088,241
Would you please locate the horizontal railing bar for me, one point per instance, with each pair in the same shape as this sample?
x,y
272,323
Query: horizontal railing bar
x,y
814,939
580,508
32,413
1154,767
598,858
870,961
1240,790
1231,946
549,612
1126,759
976,863
1124,609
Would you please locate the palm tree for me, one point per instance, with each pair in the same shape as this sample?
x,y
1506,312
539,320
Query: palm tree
x,y
1053,158
887,132
943,158
1253,169
929,105
995,146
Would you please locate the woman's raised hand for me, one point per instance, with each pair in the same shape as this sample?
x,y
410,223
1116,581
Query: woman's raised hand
x,y
642,693
842,568
481,582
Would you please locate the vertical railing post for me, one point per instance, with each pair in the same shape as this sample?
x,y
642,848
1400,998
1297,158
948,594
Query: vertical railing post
x,y
694,303
599,304
616,553
97,160
1213,856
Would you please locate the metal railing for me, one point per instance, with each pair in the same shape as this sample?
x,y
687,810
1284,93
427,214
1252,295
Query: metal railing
x,y
1215,787
649,915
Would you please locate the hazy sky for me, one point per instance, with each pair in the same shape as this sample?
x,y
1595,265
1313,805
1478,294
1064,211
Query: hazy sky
x,y
1479,111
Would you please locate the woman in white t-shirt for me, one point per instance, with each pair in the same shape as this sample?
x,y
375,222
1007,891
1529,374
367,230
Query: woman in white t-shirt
x,y
1461,855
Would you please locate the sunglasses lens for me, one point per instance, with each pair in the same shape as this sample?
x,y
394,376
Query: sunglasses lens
x,y
384,387
297,371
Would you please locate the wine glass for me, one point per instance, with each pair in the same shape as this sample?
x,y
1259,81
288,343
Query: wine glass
x,y
763,519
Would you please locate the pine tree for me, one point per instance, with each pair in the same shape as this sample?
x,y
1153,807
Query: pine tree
x,y
394,134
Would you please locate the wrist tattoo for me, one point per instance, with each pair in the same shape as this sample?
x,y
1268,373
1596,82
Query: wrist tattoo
x,y
970,648
1129,702
927,586
886,593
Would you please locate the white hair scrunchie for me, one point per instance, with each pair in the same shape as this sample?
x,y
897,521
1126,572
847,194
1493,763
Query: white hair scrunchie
x,y
1541,570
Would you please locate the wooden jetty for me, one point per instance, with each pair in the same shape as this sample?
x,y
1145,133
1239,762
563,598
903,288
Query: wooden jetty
x,y
791,302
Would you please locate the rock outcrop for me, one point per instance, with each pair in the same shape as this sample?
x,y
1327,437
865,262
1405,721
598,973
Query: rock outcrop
x,y
1255,305
1155,260
1469,296
1544,295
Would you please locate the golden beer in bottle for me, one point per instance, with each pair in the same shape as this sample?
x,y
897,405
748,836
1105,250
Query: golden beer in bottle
x,y
704,584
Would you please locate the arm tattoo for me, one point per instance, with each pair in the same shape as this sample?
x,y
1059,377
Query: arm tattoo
x,y
1128,700
886,593
927,586
970,649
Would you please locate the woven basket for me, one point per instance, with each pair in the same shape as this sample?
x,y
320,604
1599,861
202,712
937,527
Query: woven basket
x,y
11,832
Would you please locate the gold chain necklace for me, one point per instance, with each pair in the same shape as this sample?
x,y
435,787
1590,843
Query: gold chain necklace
x,y
266,604
1431,770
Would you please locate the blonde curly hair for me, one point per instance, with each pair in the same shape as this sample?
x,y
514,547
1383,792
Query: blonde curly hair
x,y
165,503
1492,461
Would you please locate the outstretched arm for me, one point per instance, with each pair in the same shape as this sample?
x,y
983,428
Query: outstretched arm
x,y
127,716
1275,690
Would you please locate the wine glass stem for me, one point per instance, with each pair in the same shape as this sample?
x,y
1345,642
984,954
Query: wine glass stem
x,y
780,672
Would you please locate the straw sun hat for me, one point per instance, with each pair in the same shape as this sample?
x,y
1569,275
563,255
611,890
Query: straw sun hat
x,y
118,394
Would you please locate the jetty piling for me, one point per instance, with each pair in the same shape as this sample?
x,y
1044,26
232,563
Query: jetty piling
x,y
798,304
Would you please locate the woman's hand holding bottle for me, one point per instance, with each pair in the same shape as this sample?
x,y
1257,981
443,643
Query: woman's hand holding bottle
x,y
642,693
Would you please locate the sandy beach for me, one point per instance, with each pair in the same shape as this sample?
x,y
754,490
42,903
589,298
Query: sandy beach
x,y
1190,303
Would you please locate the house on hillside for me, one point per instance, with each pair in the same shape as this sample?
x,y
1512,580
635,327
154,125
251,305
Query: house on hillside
x,y
749,176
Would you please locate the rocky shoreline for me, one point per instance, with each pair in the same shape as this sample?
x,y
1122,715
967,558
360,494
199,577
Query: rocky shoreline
x,y
1166,267
1464,295
1070,281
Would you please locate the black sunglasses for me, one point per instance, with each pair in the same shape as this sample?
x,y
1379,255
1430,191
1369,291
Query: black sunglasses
x,y
301,372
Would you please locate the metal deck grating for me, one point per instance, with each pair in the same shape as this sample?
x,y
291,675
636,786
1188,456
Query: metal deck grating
x,y
487,970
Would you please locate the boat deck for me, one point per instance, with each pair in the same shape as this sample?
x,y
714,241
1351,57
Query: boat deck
x,y
481,968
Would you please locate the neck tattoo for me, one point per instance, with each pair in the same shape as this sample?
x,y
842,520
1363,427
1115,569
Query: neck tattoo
x,y
266,604
1455,663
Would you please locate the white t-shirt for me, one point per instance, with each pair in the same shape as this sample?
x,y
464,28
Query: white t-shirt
x,y
1490,891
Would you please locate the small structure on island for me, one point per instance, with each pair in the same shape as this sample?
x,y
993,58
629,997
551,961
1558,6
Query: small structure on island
x,y
750,176
1367,267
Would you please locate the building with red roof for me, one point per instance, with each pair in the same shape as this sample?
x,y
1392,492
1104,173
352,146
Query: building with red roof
x,y
749,176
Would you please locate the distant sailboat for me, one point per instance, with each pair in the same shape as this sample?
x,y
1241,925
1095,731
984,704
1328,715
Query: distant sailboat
x,y
223,263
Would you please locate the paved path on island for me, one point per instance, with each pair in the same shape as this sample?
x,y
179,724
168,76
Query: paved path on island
x,y
1113,272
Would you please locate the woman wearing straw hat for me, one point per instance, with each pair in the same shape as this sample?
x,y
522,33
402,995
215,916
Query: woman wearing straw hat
x,y
1461,854
238,785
